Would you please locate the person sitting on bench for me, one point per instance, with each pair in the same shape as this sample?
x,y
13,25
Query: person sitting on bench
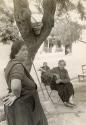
x,y
61,83
45,76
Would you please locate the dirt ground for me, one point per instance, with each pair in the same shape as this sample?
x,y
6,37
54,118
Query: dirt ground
x,y
58,113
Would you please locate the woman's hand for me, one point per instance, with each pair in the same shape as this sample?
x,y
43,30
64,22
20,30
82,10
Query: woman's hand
x,y
42,70
58,81
9,99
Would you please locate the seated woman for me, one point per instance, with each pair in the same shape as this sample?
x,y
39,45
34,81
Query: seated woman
x,y
22,104
61,83
45,74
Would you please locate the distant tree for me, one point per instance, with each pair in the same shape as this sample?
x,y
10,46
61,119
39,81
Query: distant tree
x,y
66,31
81,10
8,31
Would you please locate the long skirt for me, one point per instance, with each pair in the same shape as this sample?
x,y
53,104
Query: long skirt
x,y
65,90
26,110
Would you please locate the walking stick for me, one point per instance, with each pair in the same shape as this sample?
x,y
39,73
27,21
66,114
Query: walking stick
x,y
38,78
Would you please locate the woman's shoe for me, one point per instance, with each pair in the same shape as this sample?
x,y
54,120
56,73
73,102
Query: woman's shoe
x,y
72,104
67,104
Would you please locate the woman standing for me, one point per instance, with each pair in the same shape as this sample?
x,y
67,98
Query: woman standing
x,y
22,104
62,84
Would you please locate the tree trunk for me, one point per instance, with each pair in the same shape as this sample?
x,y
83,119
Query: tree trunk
x,y
22,15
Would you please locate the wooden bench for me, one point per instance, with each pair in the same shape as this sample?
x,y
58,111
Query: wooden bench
x,y
82,77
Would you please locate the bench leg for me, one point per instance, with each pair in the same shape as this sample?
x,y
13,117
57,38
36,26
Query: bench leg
x,y
79,78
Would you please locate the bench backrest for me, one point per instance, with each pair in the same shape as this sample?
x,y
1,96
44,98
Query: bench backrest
x,y
84,69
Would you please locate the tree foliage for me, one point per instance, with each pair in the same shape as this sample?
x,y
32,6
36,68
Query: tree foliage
x,y
81,10
66,32
8,31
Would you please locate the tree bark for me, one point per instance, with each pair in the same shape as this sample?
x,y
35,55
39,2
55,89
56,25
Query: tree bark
x,y
22,15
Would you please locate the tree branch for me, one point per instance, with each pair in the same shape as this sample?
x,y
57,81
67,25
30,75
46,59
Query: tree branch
x,y
49,7
82,41
23,19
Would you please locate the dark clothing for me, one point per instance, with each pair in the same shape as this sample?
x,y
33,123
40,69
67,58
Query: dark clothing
x,y
26,110
46,68
62,73
65,88
45,76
